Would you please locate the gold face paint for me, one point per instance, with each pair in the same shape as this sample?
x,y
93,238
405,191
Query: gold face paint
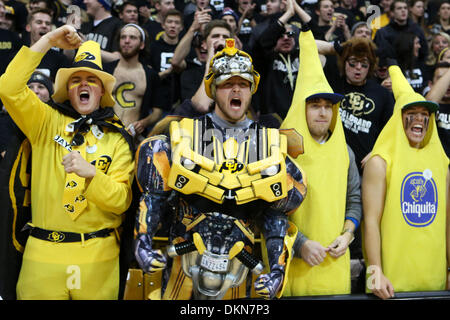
x,y
74,86
90,83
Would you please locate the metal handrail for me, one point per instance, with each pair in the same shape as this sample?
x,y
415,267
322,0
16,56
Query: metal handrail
x,y
416,295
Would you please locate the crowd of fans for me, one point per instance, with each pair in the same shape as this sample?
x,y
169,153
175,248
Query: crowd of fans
x,y
414,33
159,51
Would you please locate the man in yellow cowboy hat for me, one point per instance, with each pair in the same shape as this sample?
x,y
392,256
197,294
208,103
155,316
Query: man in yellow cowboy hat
x,y
81,173
405,194
248,180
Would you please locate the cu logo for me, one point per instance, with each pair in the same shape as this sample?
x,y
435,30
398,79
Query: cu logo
x,y
181,181
69,207
232,165
102,163
56,236
71,184
276,189
84,56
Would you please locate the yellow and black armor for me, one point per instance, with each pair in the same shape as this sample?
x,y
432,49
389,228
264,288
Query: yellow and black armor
x,y
228,172
215,182
205,176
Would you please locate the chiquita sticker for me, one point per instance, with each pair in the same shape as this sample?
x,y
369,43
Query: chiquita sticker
x,y
419,198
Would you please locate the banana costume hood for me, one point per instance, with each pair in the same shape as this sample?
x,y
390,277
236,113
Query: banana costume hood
x,y
393,133
413,229
321,215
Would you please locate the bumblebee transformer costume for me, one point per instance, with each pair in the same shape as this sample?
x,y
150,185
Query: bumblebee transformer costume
x,y
215,183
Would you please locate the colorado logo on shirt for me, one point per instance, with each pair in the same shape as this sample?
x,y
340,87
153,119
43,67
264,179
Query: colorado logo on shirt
x,y
419,198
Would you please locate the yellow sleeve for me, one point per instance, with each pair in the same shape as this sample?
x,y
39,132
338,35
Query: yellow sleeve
x,y
25,108
112,192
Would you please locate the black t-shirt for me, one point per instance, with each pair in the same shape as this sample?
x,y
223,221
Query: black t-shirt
x,y
331,71
153,28
161,60
350,20
104,33
277,84
245,32
417,77
320,31
443,126
364,112
51,62
10,43
7,129
191,78
20,14
278,73
162,53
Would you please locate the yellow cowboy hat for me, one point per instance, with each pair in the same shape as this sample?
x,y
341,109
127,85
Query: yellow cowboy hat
x,y
88,59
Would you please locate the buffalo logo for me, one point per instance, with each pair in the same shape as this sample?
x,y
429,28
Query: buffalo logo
x,y
232,165
69,207
80,198
71,184
181,181
419,198
84,56
358,104
276,189
56,236
102,163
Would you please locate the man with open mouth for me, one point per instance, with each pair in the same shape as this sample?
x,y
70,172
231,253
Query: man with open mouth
x,y
233,144
405,199
205,37
329,25
39,24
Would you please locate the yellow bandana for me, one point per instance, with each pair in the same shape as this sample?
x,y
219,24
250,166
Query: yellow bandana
x,y
73,201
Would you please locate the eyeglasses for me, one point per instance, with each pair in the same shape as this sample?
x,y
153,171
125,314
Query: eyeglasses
x,y
353,62
289,34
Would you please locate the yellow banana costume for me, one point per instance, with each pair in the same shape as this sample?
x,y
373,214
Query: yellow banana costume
x,y
322,214
413,222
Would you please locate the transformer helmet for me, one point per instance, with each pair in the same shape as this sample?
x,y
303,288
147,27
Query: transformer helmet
x,y
228,63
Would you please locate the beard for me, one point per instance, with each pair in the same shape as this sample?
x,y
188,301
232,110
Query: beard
x,y
129,53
